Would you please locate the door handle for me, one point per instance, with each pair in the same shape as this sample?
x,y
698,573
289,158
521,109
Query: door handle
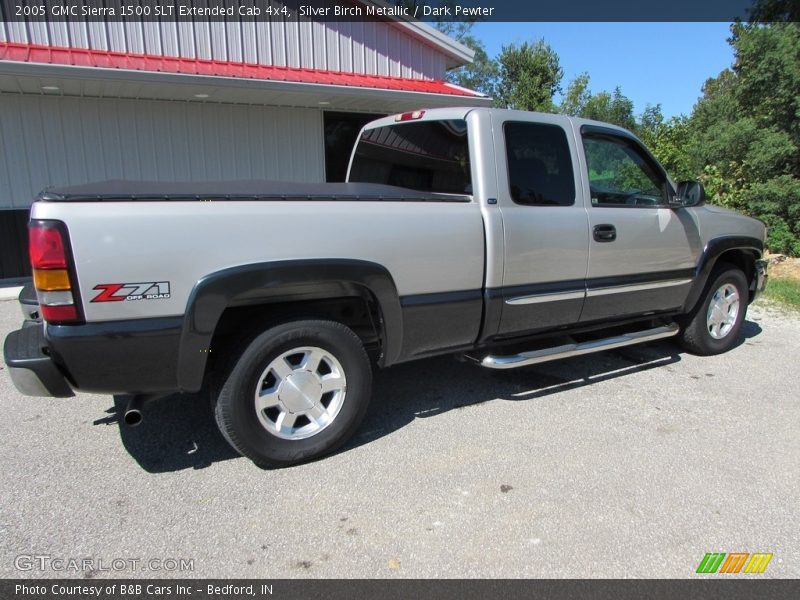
x,y
605,233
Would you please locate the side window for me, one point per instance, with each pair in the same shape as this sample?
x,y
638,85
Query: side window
x,y
539,165
621,175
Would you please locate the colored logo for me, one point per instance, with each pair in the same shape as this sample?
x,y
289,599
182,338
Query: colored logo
x,y
119,292
734,562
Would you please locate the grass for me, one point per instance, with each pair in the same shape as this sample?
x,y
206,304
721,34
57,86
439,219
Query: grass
x,y
785,291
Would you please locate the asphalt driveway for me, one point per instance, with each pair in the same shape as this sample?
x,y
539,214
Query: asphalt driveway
x,y
631,463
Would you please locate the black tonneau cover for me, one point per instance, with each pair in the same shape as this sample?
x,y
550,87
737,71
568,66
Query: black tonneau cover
x,y
122,190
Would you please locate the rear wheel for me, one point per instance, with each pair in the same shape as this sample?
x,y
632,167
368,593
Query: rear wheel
x,y
298,391
714,325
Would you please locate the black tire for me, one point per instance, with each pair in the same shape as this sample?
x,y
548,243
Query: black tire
x,y
239,420
695,335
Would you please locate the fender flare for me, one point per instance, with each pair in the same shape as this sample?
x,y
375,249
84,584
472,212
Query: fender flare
x,y
708,260
259,283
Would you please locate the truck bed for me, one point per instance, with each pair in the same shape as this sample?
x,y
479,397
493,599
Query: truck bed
x,y
266,190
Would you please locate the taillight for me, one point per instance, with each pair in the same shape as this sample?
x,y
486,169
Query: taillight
x,y
47,246
410,116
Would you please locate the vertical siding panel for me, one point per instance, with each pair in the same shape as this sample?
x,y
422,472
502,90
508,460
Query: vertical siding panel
x,y
262,32
175,127
326,50
394,51
134,37
17,32
97,35
357,44
55,150
196,140
370,54
116,36
232,33
292,30
169,38
59,35
242,143
78,36
383,49
345,46
7,196
202,39
16,157
33,138
218,47
262,140
252,46
186,40
152,37
70,114
278,43
307,43
37,30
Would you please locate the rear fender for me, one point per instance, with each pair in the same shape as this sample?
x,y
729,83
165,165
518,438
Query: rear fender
x,y
282,281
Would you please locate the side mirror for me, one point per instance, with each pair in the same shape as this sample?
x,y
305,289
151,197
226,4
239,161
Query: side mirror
x,y
690,193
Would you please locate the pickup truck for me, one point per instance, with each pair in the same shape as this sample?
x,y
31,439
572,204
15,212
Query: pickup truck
x,y
509,238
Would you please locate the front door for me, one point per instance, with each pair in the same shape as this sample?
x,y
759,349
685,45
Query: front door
x,y
642,253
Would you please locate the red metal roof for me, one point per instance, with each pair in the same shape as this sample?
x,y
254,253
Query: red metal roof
x,y
83,57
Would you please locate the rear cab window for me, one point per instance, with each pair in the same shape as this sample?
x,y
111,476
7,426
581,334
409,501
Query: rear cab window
x,y
539,164
430,156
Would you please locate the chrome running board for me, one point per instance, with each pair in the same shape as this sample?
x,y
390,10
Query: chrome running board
x,y
523,359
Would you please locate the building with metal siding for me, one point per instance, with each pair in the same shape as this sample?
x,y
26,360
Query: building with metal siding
x,y
167,101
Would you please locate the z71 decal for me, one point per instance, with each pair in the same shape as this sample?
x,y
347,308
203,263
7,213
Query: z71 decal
x,y
117,292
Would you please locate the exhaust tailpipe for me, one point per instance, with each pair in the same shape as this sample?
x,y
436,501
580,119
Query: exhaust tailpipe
x,y
133,412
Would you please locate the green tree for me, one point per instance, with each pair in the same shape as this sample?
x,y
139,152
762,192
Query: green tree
x,y
615,107
668,140
746,130
529,76
481,74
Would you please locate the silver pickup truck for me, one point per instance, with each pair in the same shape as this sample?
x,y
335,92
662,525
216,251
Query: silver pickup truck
x,y
506,237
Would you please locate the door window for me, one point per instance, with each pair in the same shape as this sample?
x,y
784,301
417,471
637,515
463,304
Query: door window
x,y
621,175
539,165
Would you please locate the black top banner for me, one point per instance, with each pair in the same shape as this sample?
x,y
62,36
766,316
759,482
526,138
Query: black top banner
x,y
360,10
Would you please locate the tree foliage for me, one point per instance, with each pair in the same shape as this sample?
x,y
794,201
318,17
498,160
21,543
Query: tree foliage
x,y
529,76
611,107
482,73
746,130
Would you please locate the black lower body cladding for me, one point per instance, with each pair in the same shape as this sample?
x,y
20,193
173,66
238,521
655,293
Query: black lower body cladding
x,y
134,357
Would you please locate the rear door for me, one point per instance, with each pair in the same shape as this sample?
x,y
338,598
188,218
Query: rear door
x,y
642,252
545,227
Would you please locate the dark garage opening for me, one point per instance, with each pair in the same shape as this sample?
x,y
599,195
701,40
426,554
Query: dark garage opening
x,y
14,244
341,131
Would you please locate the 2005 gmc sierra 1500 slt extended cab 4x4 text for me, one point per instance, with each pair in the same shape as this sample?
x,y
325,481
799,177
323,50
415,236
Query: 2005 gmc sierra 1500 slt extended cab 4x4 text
x,y
507,237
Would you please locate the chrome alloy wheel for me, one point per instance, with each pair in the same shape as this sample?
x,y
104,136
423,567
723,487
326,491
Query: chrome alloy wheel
x,y
300,393
722,311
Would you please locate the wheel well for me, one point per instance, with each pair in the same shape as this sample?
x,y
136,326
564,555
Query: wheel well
x,y
744,260
238,325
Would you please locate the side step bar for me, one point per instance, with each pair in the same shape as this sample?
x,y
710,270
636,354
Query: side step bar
x,y
523,359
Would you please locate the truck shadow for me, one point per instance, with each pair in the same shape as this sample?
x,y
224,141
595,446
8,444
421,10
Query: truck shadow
x,y
178,432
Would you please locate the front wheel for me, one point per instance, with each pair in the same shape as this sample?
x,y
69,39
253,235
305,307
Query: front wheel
x,y
714,325
298,391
